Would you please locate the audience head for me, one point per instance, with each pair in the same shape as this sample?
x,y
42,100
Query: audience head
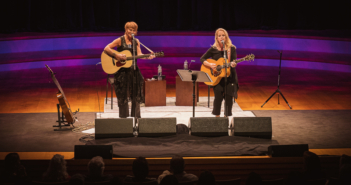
x,y
96,166
169,180
140,168
13,170
345,174
177,164
311,161
12,162
57,171
254,179
206,178
77,179
345,159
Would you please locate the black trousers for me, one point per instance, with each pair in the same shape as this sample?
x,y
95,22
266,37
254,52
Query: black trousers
x,y
124,110
219,97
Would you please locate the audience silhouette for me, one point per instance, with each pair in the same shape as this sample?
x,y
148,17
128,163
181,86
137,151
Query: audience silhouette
x,y
206,178
13,171
312,166
96,167
140,170
57,171
169,180
177,169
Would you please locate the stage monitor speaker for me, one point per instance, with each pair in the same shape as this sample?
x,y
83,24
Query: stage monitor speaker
x,y
260,127
156,127
90,151
209,126
287,150
114,127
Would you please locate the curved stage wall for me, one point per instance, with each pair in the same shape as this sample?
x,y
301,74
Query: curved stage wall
x,y
320,54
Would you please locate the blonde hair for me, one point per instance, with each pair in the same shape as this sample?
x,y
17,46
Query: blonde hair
x,y
227,43
132,25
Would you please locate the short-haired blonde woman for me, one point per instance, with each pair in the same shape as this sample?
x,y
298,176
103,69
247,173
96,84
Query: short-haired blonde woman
x,y
215,52
124,76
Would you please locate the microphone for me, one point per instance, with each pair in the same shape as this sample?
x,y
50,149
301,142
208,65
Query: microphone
x,y
133,35
222,42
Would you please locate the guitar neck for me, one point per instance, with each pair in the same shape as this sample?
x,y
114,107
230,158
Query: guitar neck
x,y
140,56
239,60
236,61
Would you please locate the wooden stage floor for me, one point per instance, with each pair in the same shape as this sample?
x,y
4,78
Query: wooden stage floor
x,y
33,91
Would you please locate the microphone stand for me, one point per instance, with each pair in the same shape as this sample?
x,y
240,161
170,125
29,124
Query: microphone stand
x,y
225,80
134,81
278,90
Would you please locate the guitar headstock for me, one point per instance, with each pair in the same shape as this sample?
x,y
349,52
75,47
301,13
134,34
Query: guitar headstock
x,y
52,73
159,54
250,57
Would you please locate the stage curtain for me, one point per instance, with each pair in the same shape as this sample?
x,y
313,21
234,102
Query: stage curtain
x,y
170,15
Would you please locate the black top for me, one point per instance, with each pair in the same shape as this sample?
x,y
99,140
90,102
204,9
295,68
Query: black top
x,y
215,54
125,46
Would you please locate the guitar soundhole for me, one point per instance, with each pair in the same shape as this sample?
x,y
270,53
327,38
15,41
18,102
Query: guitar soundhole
x,y
215,73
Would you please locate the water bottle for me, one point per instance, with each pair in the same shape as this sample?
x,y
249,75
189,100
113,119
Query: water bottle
x,y
186,65
159,73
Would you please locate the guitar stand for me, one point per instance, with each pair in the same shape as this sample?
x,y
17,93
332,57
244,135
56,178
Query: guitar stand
x,y
61,121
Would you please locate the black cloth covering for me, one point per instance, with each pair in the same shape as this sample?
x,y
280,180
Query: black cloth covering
x,y
186,145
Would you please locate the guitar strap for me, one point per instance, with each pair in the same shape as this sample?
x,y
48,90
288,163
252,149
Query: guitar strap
x,y
146,47
228,54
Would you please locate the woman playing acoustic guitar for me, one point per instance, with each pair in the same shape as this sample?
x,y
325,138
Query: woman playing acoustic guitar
x,y
216,52
124,77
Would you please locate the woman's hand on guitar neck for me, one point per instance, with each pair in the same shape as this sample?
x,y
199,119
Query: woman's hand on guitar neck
x,y
233,64
152,56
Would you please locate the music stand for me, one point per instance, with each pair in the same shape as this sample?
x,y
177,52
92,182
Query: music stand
x,y
193,76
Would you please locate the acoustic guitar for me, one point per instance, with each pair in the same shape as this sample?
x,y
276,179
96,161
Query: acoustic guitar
x,y
111,65
217,74
66,108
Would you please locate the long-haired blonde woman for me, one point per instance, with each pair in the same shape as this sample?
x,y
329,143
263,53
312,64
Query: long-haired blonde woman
x,y
124,77
215,52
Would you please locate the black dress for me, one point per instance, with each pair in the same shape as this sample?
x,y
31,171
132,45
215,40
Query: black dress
x,y
232,81
124,85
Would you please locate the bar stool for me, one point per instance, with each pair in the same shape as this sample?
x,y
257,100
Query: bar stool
x,y
111,81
